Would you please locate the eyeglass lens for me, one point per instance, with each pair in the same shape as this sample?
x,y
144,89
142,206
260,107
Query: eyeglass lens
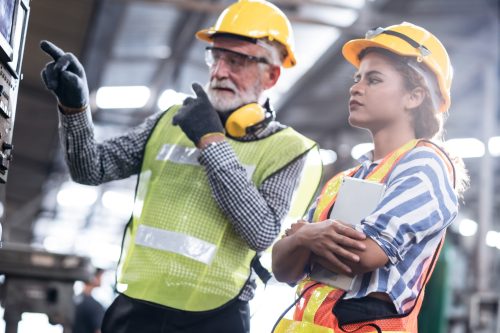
x,y
236,61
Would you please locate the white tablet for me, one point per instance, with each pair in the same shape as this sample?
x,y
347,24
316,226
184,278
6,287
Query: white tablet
x,y
356,199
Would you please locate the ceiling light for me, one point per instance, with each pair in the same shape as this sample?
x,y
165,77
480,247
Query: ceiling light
x,y
124,97
170,97
493,239
327,156
359,150
494,146
466,147
467,227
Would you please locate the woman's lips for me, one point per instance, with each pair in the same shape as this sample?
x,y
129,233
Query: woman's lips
x,y
353,104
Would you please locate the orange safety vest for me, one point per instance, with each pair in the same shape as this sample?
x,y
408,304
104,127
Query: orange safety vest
x,y
314,309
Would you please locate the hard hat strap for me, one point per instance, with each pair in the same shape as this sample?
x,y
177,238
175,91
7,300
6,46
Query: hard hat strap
x,y
423,50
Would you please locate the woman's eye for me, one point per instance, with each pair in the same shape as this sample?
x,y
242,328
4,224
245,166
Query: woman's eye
x,y
356,79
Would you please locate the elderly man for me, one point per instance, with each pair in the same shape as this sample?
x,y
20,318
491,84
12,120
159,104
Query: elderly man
x,y
216,178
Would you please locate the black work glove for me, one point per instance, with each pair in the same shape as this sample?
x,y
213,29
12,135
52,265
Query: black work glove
x,y
197,117
65,77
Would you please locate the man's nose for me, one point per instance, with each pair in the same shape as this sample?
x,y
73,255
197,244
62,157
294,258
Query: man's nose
x,y
220,69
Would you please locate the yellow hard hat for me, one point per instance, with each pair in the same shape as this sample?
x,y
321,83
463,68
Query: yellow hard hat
x,y
410,40
254,19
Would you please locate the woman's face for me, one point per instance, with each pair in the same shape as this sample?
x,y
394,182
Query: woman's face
x,y
378,96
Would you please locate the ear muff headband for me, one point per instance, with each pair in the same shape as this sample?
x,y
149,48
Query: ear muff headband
x,y
248,119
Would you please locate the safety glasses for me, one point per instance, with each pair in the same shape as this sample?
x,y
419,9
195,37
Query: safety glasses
x,y
235,60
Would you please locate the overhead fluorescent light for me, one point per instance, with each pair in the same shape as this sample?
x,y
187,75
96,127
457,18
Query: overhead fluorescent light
x,y
124,97
466,147
170,97
359,150
494,146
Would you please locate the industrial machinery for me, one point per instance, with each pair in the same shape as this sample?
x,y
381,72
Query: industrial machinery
x,y
14,16
39,281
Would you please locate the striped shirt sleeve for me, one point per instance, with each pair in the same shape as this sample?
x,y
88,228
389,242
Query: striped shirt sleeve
x,y
419,203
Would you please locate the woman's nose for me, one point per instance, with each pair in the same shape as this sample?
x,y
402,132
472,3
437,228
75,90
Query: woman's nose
x,y
355,89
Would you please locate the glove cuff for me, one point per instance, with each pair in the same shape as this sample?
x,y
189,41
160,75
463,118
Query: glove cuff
x,y
68,110
210,138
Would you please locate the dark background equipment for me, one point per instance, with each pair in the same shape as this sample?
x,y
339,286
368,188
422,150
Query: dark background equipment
x,y
39,281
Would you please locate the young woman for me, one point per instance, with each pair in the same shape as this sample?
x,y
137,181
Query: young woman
x,y
401,94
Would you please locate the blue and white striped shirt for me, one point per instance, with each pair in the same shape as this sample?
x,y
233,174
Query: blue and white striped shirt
x,y
418,205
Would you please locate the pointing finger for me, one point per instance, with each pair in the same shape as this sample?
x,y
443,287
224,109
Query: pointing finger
x,y
61,64
51,49
199,91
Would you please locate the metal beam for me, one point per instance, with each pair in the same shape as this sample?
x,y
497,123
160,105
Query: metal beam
x,y
486,202
216,8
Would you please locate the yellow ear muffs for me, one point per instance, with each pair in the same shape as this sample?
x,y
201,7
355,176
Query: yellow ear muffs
x,y
241,120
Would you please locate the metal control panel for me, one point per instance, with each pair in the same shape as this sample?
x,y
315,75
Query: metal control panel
x,y
9,86
14,15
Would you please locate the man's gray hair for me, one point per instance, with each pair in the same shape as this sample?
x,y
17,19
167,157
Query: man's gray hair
x,y
277,51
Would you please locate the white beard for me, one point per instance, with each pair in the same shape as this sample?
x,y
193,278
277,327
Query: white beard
x,y
223,104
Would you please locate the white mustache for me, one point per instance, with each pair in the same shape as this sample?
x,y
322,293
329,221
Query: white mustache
x,y
224,84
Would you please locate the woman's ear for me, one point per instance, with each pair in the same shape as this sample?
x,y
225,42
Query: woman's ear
x,y
415,98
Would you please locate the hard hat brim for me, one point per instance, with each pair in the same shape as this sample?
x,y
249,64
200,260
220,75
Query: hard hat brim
x,y
205,35
353,48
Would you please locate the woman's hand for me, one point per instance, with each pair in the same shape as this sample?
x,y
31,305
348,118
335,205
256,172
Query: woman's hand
x,y
294,227
331,243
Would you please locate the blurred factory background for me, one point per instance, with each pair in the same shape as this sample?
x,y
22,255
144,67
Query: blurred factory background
x,y
144,51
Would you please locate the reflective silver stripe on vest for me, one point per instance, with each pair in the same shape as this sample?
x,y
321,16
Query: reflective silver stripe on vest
x,y
178,154
175,242
186,155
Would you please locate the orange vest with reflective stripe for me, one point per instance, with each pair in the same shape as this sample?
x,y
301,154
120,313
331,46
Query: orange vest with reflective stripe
x,y
314,311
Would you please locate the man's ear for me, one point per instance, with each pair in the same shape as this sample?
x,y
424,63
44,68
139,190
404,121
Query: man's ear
x,y
415,98
271,77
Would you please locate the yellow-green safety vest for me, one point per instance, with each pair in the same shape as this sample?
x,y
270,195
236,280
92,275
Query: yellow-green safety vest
x,y
183,251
